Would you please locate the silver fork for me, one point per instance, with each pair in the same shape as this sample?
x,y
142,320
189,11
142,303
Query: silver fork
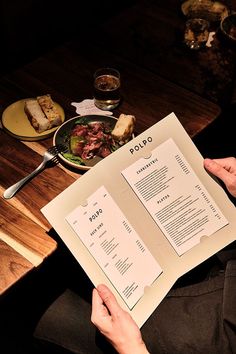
x,y
50,156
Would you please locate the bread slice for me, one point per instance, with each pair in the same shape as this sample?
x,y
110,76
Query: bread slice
x,y
124,128
36,116
50,110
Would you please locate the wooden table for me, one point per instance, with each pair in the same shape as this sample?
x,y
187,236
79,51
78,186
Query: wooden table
x,y
66,73
151,33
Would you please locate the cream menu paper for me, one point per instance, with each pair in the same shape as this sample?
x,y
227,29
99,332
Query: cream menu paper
x,y
174,196
115,246
144,216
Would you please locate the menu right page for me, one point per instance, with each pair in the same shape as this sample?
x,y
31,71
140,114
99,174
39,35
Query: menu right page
x,y
174,196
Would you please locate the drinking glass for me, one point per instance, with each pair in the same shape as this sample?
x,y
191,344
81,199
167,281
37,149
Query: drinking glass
x,y
106,88
196,33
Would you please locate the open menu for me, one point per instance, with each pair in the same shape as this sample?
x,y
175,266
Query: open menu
x,y
144,216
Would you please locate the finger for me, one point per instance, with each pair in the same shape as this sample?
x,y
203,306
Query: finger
x,y
217,167
108,299
98,309
227,173
96,299
229,163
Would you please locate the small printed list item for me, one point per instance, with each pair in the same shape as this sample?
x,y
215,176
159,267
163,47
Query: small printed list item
x,y
174,196
115,246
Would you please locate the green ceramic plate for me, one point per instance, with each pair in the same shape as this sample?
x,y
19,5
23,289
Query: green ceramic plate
x,y
61,136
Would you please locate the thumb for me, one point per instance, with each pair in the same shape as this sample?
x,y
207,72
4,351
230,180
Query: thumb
x,y
109,299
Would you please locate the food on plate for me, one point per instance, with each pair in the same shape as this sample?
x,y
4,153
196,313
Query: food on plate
x,y
89,139
124,128
50,110
42,113
36,116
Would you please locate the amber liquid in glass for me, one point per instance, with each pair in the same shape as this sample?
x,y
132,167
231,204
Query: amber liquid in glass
x,y
107,92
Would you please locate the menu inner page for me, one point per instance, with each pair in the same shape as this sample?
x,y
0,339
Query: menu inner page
x,y
174,196
115,245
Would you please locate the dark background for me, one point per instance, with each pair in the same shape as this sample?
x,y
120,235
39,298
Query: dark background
x,y
31,27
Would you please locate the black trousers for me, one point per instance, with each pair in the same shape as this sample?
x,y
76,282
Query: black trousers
x,y
194,318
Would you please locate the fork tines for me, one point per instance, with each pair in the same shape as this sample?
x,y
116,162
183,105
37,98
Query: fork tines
x,y
57,149
61,148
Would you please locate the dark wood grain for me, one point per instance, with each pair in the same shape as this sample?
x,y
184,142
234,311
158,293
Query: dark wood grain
x,y
13,266
67,73
16,162
151,34
24,231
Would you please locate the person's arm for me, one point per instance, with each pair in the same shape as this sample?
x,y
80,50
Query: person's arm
x,y
115,323
225,169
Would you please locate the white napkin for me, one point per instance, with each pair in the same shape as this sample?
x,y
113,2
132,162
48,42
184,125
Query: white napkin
x,y
87,106
210,39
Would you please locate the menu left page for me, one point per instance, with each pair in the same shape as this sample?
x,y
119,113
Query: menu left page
x,y
115,245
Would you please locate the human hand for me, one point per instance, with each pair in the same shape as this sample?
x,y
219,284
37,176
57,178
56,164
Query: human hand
x,y
115,323
225,169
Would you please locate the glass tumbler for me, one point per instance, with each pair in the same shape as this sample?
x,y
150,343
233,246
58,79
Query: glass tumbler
x,y
196,33
106,88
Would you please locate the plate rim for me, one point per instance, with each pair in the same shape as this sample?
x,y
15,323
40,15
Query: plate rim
x,y
231,18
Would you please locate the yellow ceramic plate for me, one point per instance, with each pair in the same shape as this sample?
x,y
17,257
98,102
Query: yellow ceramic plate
x,y
17,124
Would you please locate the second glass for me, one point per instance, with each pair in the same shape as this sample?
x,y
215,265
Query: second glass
x,y
196,33
106,88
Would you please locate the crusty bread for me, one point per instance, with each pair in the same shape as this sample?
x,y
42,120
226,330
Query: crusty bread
x,y
36,116
50,110
124,128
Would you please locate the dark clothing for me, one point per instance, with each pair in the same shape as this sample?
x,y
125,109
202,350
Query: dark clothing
x,y
66,324
198,318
